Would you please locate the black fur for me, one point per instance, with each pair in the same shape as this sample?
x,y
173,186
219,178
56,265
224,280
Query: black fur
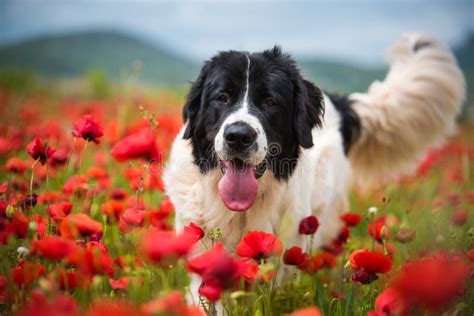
x,y
288,123
350,122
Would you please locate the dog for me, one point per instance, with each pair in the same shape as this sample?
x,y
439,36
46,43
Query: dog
x,y
262,148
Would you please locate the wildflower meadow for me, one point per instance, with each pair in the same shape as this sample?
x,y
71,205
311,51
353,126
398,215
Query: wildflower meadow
x,y
86,228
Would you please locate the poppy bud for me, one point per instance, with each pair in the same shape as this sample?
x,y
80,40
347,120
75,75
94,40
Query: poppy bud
x,y
308,225
405,235
363,277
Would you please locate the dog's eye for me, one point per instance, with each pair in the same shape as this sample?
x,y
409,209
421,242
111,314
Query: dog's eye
x,y
224,98
269,102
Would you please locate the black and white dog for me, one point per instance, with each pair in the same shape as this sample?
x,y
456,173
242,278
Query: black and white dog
x,y
262,147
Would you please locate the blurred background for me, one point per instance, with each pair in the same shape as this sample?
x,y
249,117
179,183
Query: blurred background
x,y
90,46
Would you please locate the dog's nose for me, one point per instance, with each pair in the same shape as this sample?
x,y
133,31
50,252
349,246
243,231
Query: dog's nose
x,y
239,136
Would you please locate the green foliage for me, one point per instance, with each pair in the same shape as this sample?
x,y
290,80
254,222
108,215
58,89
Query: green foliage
x,y
99,83
20,81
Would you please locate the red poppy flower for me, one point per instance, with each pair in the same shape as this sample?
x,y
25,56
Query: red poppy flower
x,y
165,247
25,273
39,150
76,184
116,308
459,218
16,226
328,260
433,282
131,218
363,277
48,197
88,129
40,304
91,259
294,256
166,209
370,261
390,302
194,229
15,165
53,247
75,225
59,158
5,145
259,245
250,270
29,201
351,219
311,264
172,304
113,208
218,270
307,311
470,255
377,228
140,145
343,236
58,211
69,280
3,187
3,289
118,194
308,225
120,284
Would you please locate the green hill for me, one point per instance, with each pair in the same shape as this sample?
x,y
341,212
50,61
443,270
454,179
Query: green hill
x,y
465,56
115,53
340,77
66,56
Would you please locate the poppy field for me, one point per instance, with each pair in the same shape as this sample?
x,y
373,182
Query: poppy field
x,y
86,229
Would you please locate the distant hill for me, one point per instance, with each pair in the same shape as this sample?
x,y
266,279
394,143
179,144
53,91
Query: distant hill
x,y
340,77
115,53
74,54
465,56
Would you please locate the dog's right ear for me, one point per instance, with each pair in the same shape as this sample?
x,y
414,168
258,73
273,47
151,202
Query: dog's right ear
x,y
193,102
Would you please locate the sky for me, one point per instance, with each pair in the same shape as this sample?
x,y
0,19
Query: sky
x,y
359,31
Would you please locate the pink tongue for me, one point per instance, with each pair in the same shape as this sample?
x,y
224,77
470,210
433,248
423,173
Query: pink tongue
x,y
238,187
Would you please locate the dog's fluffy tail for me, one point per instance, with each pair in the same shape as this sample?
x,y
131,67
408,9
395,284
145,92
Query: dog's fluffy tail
x,y
414,108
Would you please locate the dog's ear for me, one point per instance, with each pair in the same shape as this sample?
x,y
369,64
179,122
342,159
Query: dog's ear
x,y
193,102
309,111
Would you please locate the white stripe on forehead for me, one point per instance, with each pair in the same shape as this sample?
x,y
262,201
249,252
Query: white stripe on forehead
x,y
245,102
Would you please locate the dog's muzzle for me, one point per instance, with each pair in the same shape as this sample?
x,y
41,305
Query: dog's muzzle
x,y
239,140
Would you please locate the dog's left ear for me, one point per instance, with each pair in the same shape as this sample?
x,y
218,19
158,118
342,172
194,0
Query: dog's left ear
x,y
193,101
309,111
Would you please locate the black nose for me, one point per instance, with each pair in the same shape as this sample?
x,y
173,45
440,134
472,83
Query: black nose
x,y
239,136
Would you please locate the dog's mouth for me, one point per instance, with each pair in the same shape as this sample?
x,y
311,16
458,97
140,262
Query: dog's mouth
x,y
238,186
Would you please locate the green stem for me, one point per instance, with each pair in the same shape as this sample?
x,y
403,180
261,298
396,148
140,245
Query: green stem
x,y
80,156
349,300
32,176
67,167
140,185
164,279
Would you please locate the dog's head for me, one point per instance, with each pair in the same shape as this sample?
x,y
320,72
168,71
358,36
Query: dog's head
x,y
247,113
